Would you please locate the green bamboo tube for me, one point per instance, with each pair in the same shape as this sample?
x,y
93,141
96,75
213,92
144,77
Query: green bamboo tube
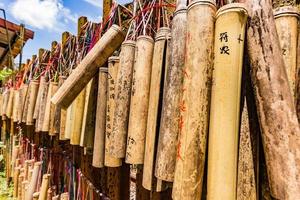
x,y
49,108
113,67
159,62
286,20
16,178
194,106
33,181
225,102
42,105
15,107
38,98
78,117
10,103
60,123
44,187
26,104
35,196
139,100
123,89
169,129
52,111
33,88
99,145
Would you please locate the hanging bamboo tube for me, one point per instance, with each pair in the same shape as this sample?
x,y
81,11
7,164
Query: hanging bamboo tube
x,y
33,88
24,189
113,67
88,67
139,100
286,21
16,178
26,101
52,109
22,99
5,101
123,89
49,108
38,98
15,107
45,186
225,101
60,123
159,64
169,127
33,181
194,106
43,101
276,110
99,145
20,180
10,103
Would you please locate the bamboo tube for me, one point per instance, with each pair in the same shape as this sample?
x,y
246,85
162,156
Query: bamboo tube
x,y
15,152
15,107
99,145
286,21
5,102
20,180
33,181
1,103
22,99
16,178
24,189
139,100
69,120
159,62
113,67
49,108
194,106
60,122
123,89
225,101
33,88
52,110
45,186
42,107
276,111
38,98
169,128
35,196
26,169
88,67
26,105
30,174
113,183
10,103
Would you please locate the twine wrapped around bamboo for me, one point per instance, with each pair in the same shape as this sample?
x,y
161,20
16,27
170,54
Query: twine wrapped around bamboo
x,y
286,21
15,106
84,72
113,67
10,103
49,108
225,101
139,100
99,145
275,105
42,105
194,106
33,91
44,187
26,104
16,179
122,94
33,181
159,67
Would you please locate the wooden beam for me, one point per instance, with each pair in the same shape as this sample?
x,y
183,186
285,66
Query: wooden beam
x,y
16,28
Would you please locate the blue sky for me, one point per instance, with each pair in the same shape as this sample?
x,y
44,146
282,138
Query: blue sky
x,y
49,18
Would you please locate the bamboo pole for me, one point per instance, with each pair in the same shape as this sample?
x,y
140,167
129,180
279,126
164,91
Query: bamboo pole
x,y
38,99
33,181
26,105
42,105
20,180
45,186
15,106
5,101
139,100
159,65
10,103
286,21
169,127
88,67
24,189
60,124
52,109
99,145
225,101
33,88
113,67
194,106
276,111
49,108
16,178
123,90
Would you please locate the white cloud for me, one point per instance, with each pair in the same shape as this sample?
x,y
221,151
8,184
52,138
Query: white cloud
x,y
97,3
2,5
42,14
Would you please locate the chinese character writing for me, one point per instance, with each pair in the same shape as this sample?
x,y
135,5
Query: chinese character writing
x,y
224,37
224,50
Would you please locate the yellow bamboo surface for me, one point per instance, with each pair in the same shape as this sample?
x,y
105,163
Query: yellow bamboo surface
x,y
44,187
225,102
49,109
16,178
15,107
10,103
69,120
33,181
33,88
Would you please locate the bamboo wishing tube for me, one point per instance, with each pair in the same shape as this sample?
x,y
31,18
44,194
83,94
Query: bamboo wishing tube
x,y
52,110
5,101
22,99
10,103
42,105
169,128
15,107
88,67
139,100
113,67
69,113
16,178
33,88
45,186
225,101
99,145
159,63
286,20
49,108
25,107
33,181
61,114
194,106
24,189
122,94
38,98
1,103
20,180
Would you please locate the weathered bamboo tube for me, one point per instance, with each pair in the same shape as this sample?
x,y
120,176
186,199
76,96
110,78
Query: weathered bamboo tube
x,y
169,127
194,106
123,90
16,178
286,21
15,152
139,100
43,103
25,107
99,145
45,186
52,110
35,196
15,107
24,189
33,180
5,101
22,99
30,172
276,110
10,103
33,88
61,114
225,101
49,108
159,62
88,67
38,98
113,67
69,120
114,183
20,180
